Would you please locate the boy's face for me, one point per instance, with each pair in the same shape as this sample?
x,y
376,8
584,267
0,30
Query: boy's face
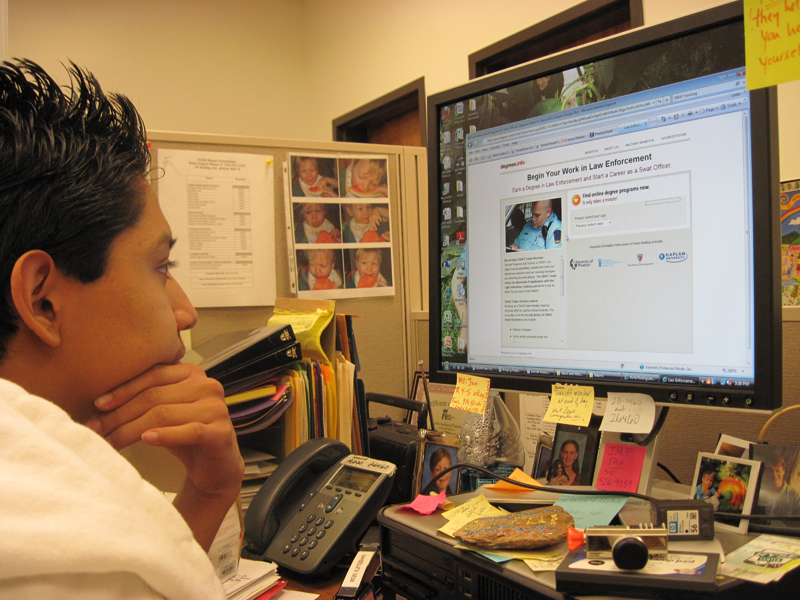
x,y
128,320
308,171
443,464
320,266
369,264
361,212
708,480
314,214
365,176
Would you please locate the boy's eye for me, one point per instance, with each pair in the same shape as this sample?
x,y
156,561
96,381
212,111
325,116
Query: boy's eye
x,y
167,266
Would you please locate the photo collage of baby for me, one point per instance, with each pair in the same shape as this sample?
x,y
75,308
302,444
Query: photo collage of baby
x,y
341,225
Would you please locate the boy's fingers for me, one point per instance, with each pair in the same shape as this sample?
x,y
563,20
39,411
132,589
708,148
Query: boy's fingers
x,y
155,376
191,417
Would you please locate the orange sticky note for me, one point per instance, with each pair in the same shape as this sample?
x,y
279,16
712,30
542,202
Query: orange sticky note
x,y
471,393
621,468
771,42
517,475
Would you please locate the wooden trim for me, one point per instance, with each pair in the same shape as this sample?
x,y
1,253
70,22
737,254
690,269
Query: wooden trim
x,y
585,22
352,127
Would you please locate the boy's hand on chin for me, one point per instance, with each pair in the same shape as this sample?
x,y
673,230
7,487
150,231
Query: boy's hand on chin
x,y
178,407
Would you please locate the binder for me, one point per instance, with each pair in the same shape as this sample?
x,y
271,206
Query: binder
x,y
230,350
262,364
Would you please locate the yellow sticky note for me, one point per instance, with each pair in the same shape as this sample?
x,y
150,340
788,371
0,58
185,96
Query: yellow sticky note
x,y
570,404
476,508
471,393
517,475
771,41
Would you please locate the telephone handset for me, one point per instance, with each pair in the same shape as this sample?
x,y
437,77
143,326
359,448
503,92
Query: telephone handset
x,y
315,506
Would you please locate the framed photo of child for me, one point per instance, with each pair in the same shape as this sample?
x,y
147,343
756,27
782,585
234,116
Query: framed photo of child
x,y
779,490
574,455
436,452
729,484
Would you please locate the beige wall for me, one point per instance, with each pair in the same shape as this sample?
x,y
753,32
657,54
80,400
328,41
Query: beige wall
x,y
287,68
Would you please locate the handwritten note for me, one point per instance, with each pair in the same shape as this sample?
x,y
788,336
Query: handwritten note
x,y
471,393
621,468
477,508
591,511
570,404
629,413
772,41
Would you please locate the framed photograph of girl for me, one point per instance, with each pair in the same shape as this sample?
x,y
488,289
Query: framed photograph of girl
x,y
574,455
729,484
436,452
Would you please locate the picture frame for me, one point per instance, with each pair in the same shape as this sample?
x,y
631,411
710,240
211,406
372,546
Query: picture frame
x,y
728,445
779,489
435,450
543,456
445,418
585,441
729,484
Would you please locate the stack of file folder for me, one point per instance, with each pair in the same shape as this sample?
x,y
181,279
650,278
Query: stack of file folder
x,y
252,367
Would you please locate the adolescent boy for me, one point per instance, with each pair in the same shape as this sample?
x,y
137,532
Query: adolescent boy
x,y
90,360
367,273
366,178
319,274
309,182
367,224
314,227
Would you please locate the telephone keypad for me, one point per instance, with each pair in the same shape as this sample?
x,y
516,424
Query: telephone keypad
x,y
302,528
304,541
312,544
320,534
310,518
295,550
328,523
319,521
304,555
312,531
294,538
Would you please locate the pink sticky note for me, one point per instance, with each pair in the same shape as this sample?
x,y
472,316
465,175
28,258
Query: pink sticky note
x,y
621,468
425,505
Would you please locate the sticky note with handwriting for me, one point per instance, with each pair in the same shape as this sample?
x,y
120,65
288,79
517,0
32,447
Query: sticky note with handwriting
x,y
471,393
629,413
771,41
621,468
570,404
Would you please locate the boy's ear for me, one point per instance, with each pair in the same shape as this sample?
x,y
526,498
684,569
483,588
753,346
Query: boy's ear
x,y
33,286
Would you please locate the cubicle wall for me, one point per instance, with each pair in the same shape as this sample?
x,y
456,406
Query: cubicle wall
x,y
383,325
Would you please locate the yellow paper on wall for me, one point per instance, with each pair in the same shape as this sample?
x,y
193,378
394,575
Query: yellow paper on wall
x,y
471,393
771,41
570,404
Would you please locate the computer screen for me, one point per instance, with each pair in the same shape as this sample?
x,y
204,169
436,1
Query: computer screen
x,y
608,216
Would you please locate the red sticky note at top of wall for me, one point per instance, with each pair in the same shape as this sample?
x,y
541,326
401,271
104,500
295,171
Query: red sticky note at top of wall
x,y
621,468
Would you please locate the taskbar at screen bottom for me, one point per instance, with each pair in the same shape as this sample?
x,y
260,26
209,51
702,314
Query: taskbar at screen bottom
x,y
586,375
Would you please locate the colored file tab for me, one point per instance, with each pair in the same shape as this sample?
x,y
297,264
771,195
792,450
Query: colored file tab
x,y
621,468
570,404
771,41
471,393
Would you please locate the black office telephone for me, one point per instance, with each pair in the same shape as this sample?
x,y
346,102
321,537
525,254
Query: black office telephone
x,y
315,506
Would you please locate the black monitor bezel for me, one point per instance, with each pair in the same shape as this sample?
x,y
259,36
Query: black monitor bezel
x,y
766,223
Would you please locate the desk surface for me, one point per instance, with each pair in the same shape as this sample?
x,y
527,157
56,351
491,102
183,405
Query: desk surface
x,y
415,552
325,588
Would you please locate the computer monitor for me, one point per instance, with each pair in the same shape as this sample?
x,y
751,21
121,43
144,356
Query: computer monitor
x,y
609,216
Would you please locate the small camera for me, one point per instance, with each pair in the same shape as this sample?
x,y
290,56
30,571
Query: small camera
x,y
629,546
